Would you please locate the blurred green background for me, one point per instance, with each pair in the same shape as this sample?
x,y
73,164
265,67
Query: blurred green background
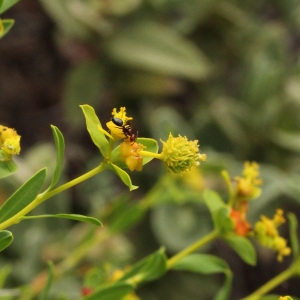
x,y
225,72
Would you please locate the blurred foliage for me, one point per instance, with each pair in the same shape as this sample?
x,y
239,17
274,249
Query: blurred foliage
x,y
223,71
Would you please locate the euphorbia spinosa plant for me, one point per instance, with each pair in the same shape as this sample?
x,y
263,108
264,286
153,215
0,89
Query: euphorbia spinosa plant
x,y
121,149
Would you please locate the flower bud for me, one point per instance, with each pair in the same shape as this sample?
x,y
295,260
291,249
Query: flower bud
x,y
9,142
180,154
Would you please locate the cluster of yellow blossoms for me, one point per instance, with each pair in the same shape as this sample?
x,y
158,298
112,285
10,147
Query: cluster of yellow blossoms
x,y
265,231
178,153
9,143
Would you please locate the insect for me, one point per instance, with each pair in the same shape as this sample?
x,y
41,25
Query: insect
x,y
127,129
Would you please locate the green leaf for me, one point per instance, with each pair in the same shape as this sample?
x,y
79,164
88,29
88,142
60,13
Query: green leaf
x,y
60,148
6,239
93,124
156,48
213,201
7,24
242,246
150,144
126,218
44,295
6,4
287,140
75,217
207,264
222,220
147,269
7,168
219,211
293,234
83,81
124,176
115,291
23,196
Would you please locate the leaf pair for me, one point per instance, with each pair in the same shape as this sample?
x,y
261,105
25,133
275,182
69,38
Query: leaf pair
x,y
5,25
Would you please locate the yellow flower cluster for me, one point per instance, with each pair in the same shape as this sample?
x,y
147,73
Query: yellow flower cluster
x,y
9,142
131,154
265,231
117,131
247,185
180,155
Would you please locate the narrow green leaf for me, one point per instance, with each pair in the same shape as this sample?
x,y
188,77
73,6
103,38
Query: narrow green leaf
x,y
60,149
207,264
213,200
293,228
7,168
286,140
6,4
222,220
75,217
115,291
6,239
93,124
242,246
23,196
127,218
44,295
83,81
124,176
150,144
149,268
219,211
7,24
156,48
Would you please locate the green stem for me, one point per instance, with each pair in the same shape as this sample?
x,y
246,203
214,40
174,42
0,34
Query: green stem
x,y
151,154
270,285
192,248
47,194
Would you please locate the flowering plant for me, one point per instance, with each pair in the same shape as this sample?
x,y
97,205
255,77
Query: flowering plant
x,y
122,149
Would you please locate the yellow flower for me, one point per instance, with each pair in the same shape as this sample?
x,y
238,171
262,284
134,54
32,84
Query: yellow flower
x,y
115,130
247,186
180,155
117,274
265,231
285,298
131,155
9,142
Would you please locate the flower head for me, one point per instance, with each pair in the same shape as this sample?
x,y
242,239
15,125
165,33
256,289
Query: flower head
x,y
9,142
248,185
265,231
117,130
180,155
